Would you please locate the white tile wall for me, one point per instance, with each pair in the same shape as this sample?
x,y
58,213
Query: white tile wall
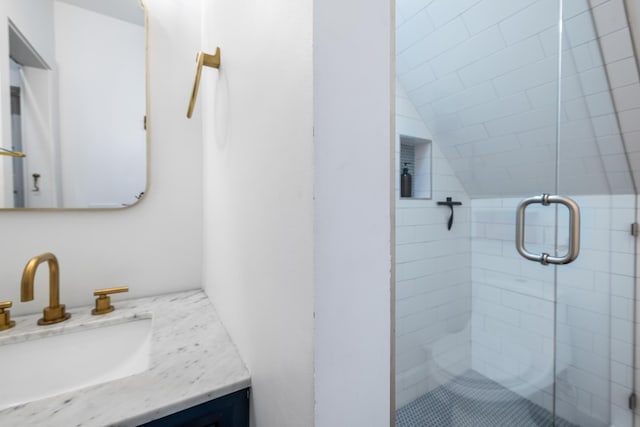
x,y
433,273
482,77
489,68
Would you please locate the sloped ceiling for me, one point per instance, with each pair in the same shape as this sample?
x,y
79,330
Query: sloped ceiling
x,y
483,75
126,10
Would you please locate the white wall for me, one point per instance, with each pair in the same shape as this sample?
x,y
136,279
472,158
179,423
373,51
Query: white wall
x,y
258,196
154,247
100,72
292,233
352,149
433,272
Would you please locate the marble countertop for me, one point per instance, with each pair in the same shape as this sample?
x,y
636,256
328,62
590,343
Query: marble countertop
x,y
193,360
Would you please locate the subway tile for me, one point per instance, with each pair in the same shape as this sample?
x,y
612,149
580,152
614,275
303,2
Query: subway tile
x,y
611,144
443,11
622,73
609,16
600,103
490,146
622,286
473,49
537,324
606,125
520,123
620,414
465,134
528,77
574,7
409,8
512,58
575,110
615,162
588,320
444,123
413,30
418,76
580,339
490,12
629,120
405,108
622,308
586,56
478,95
585,380
571,87
621,218
627,97
534,19
404,289
579,29
491,247
593,81
504,107
621,350
438,89
616,46
437,42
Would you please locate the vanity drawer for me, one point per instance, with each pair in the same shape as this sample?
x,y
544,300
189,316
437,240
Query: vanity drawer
x,y
231,410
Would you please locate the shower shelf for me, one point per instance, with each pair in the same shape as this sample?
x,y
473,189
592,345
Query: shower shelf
x,y
415,152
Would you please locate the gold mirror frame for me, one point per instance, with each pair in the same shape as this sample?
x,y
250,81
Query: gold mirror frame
x,y
11,154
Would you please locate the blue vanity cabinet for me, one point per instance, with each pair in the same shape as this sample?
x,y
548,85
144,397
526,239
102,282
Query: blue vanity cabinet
x,y
231,410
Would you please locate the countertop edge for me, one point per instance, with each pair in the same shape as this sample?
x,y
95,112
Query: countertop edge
x,y
193,360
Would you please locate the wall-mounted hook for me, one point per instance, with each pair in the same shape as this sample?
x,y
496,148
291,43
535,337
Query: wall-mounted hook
x,y
36,177
202,59
449,202
11,153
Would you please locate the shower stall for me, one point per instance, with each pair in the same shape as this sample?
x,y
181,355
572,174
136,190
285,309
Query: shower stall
x,y
516,306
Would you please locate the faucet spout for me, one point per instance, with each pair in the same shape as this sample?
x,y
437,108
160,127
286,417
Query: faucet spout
x,y
55,312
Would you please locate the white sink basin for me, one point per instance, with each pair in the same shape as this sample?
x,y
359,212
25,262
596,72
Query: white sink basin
x,y
49,365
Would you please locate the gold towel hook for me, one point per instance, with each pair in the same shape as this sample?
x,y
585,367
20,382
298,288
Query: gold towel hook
x,y
5,152
207,60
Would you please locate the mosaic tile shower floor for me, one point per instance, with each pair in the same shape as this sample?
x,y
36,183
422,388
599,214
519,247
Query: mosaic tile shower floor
x,y
468,407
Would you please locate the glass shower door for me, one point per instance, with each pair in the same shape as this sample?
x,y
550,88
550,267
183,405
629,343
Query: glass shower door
x,y
595,294
515,106
475,328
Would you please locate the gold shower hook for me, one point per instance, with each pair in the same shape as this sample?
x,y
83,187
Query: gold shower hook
x,y
207,60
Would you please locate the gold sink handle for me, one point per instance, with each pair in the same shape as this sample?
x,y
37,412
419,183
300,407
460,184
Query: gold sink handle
x,y
5,316
103,302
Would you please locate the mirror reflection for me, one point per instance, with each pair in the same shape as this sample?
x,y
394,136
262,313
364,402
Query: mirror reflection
x,y
75,82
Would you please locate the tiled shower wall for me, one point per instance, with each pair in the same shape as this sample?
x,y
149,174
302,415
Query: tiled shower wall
x,y
483,75
510,300
433,272
513,310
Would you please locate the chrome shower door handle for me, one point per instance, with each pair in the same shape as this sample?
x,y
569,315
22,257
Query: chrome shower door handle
x,y
574,229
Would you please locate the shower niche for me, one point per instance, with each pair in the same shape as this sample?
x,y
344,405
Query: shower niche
x,y
415,157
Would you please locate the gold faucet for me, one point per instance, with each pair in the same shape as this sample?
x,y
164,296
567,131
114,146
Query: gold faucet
x,y
55,312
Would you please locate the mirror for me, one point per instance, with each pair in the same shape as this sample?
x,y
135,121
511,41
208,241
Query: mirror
x,y
75,82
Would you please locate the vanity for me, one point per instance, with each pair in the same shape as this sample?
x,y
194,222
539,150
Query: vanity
x,y
193,370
